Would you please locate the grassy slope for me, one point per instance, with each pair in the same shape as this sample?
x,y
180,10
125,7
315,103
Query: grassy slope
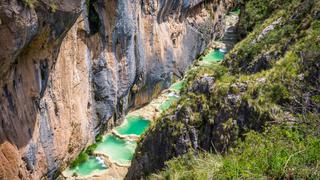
x,y
279,152
284,89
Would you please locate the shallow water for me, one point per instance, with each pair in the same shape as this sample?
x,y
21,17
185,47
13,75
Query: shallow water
x,y
92,166
133,125
166,105
177,86
214,56
119,150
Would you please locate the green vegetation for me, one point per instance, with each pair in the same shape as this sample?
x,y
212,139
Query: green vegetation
x,y
235,11
255,12
53,7
30,3
279,152
82,157
93,17
99,138
266,44
90,149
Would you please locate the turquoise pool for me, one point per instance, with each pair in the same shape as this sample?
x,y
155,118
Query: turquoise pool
x,y
133,125
214,56
164,106
177,86
119,150
90,167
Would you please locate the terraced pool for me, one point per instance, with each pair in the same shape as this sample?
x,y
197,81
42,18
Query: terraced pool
x,y
177,86
118,150
121,151
93,166
133,125
166,105
214,56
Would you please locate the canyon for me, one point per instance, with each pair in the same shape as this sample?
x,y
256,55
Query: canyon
x,y
159,89
71,70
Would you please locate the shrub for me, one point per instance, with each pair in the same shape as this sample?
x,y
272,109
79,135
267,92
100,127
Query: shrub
x,y
99,138
91,148
53,7
279,93
83,156
30,3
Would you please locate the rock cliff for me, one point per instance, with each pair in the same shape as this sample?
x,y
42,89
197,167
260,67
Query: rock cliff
x,y
71,69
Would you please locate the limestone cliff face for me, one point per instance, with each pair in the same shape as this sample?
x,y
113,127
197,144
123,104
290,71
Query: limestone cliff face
x,y
34,133
71,69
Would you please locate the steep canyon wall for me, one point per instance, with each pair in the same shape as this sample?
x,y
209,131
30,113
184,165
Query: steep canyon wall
x,y
71,69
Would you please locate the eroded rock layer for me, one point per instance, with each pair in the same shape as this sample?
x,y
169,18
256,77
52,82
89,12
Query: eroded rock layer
x,y
71,69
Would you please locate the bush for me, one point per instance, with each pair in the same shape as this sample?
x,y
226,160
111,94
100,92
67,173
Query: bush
x,y
30,3
91,148
83,156
99,138
279,93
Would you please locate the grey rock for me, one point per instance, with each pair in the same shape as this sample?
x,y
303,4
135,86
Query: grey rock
x,y
268,29
202,85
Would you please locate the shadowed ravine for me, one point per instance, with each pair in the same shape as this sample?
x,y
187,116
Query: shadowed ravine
x,y
72,69
117,148
159,89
